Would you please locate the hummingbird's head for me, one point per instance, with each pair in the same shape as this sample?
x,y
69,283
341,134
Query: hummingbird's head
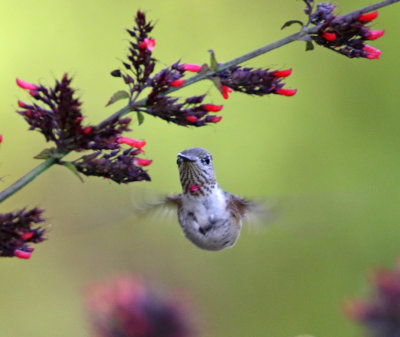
x,y
196,171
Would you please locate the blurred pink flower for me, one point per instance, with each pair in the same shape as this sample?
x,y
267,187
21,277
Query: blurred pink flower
x,y
125,307
380,314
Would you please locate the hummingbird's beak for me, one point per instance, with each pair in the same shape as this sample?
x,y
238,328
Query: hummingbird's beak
x,y
186,158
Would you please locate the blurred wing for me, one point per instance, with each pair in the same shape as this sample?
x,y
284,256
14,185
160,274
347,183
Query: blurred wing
x,y
239,204
174,200
158,206
255,213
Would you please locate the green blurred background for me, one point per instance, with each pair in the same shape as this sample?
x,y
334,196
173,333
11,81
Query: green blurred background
x,y
330,154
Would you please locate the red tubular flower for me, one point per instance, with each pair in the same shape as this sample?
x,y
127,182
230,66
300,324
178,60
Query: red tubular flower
x,y
34,93
177,83
373,53
132,142
1,138
212,119
213,107
191,119
27,236
26,85
22,105
373,57
142,162
286,92
375,34
194,68
87,130
368,17
147,44
283,73
329,36
225,91
22,254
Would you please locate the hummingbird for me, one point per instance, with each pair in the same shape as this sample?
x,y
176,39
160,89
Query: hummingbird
x,y
210,217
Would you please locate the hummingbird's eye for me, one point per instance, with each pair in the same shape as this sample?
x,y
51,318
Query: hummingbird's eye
x,y
179,160
206,160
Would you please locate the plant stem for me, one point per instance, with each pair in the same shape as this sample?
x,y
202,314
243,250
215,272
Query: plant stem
x,y
20,183
27,178
374,7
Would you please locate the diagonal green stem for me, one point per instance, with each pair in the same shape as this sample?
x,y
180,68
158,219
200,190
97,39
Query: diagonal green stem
x,y
374,7
20,183
27,178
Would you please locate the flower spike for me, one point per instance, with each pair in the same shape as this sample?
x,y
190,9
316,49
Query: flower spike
x,y
344,34
19,230
57,115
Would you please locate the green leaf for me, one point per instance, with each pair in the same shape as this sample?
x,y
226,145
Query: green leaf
x,y
140,117
291,22
217,83
121,94
309,46
46,153
213,60
73,169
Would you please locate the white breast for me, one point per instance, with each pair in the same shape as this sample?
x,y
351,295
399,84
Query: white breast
x,y
210,207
